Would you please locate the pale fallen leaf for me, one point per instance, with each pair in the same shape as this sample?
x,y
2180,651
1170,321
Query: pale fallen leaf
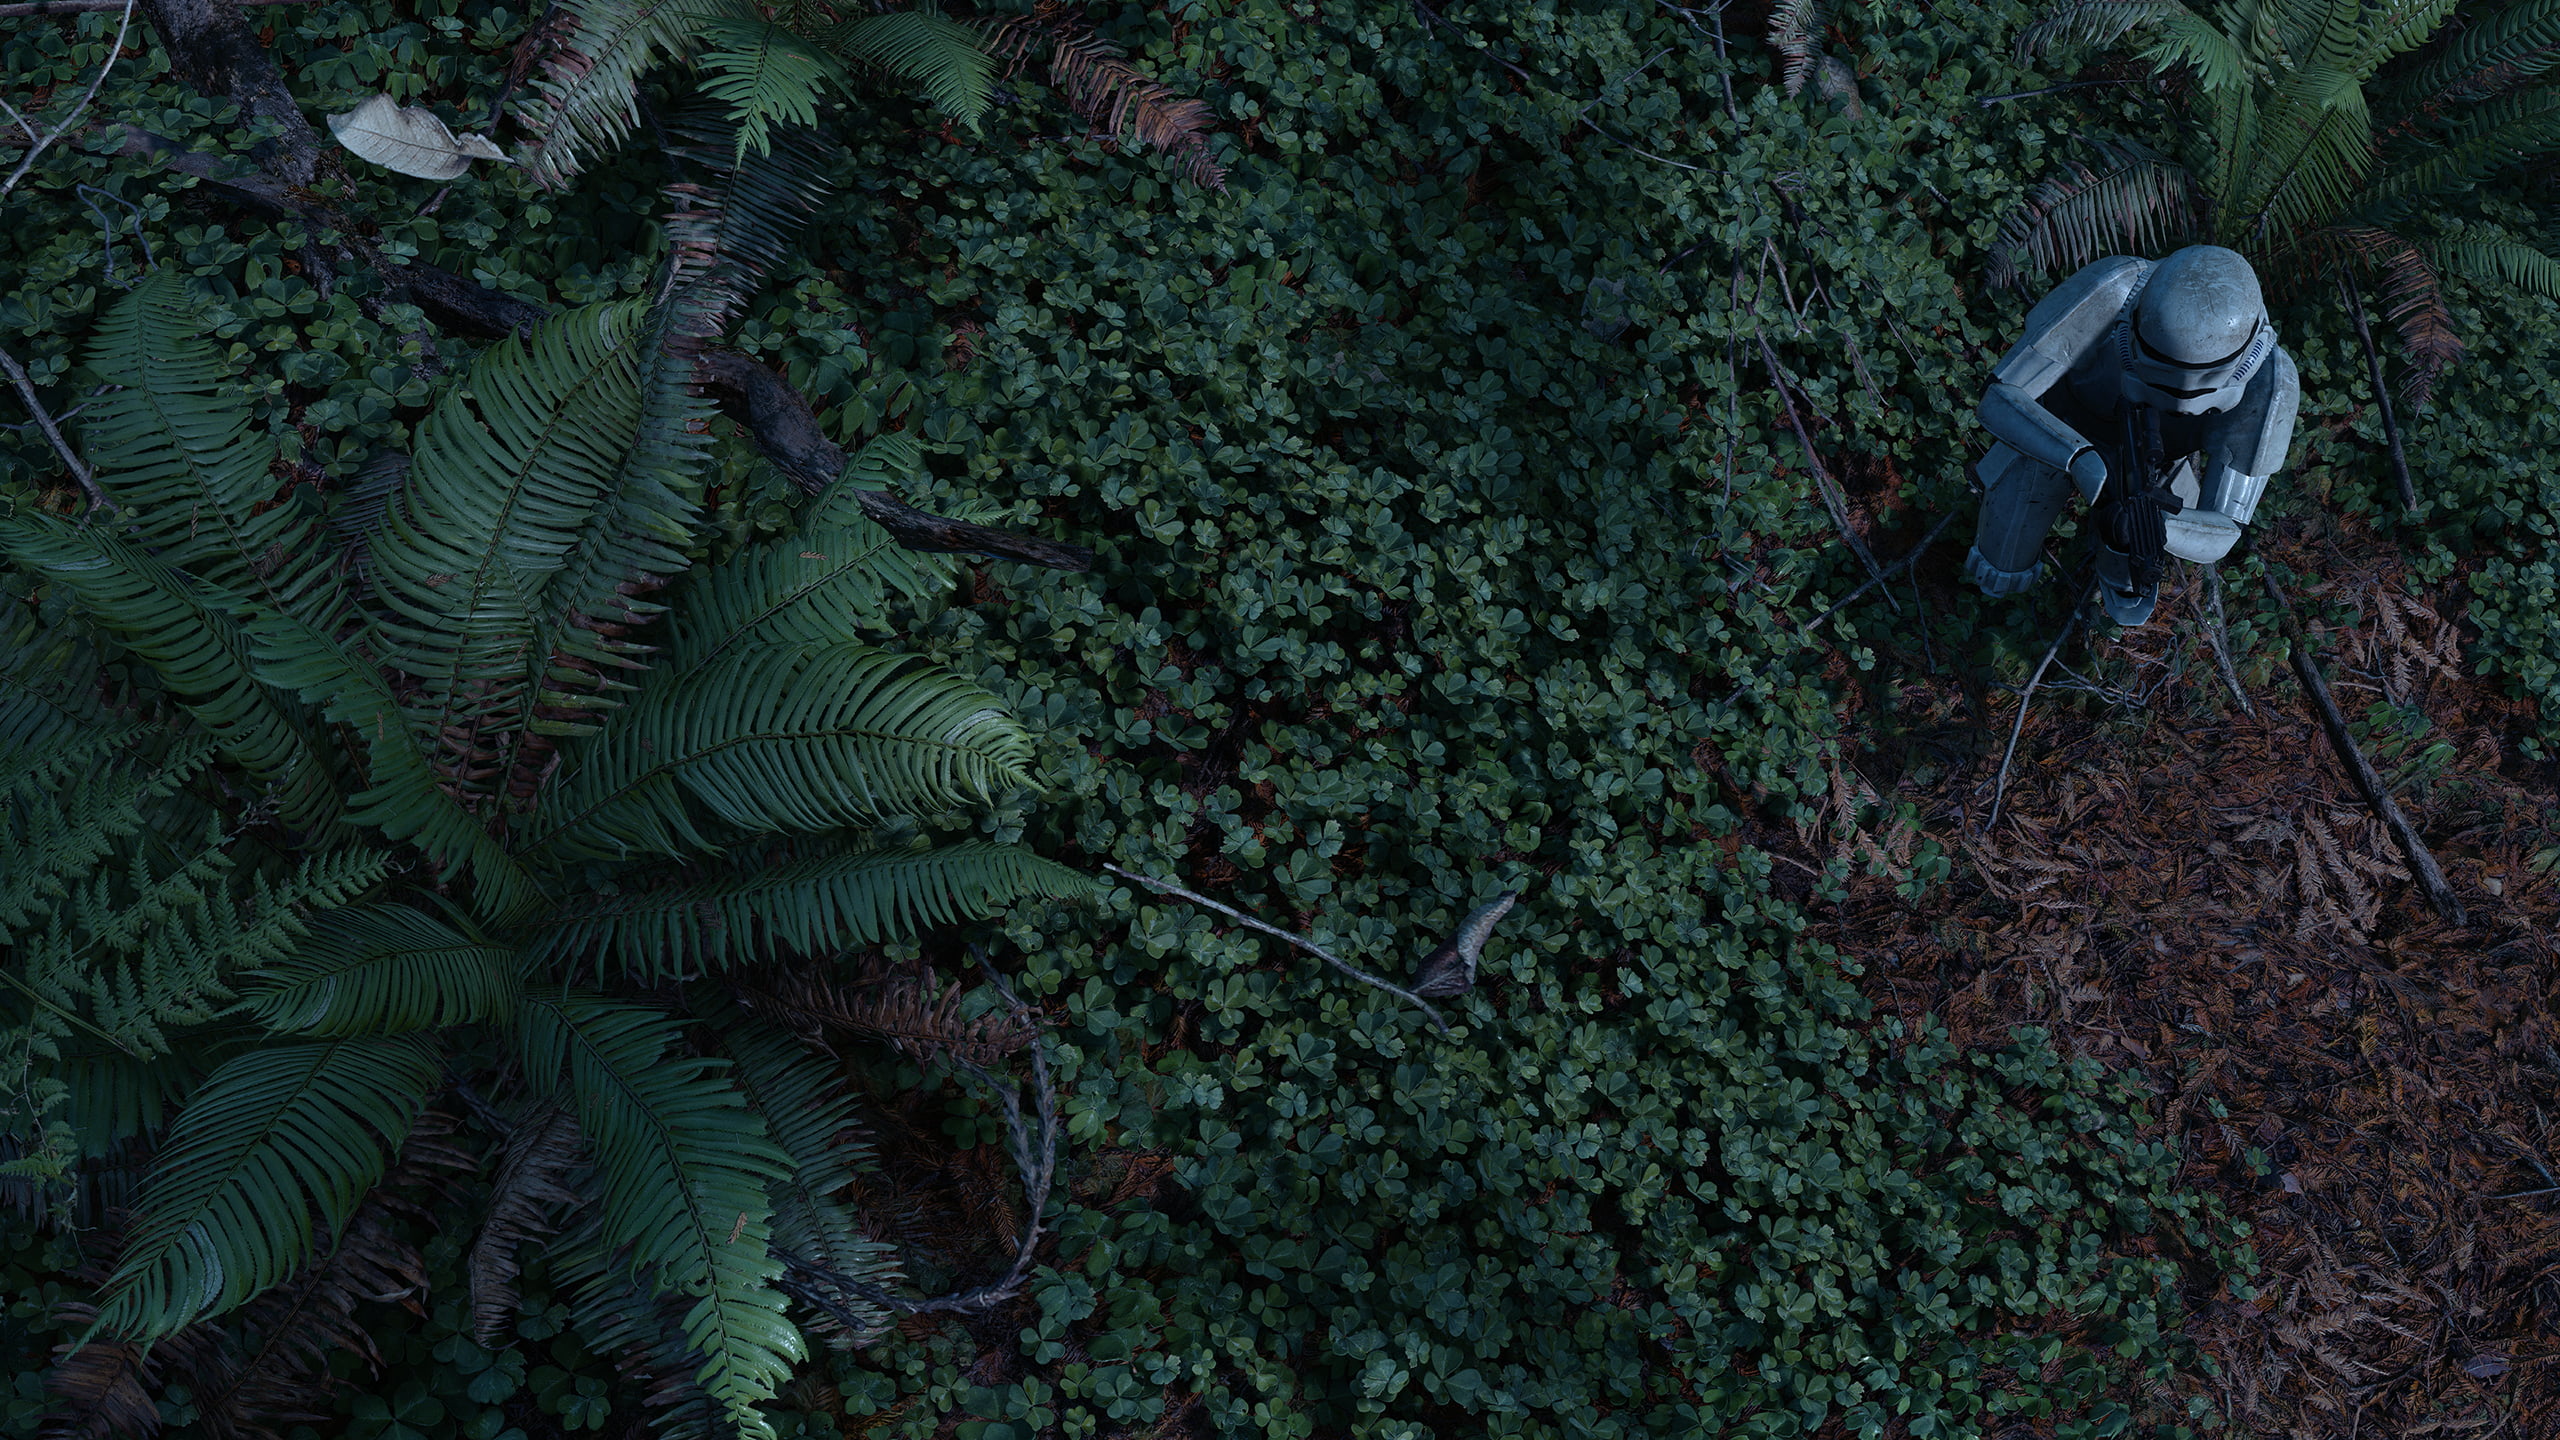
x,y
409,139
2485,1367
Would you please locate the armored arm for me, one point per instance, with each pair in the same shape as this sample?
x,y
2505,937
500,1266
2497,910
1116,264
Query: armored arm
x,y
2062,329
2246,443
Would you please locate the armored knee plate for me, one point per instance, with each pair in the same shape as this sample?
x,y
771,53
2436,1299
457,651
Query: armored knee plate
x,y
2020,500
2234,493
1993,579
2198,532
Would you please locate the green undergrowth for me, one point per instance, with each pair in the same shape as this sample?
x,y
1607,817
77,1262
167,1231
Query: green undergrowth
x,y
1450,535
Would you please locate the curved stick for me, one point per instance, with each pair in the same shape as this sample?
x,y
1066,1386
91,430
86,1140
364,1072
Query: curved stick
x,y
2027,697
1311,947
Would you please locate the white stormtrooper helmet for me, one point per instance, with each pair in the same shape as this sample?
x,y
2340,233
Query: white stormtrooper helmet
x,y
2197,331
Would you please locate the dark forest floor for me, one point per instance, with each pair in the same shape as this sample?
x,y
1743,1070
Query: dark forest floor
x,y
2200,897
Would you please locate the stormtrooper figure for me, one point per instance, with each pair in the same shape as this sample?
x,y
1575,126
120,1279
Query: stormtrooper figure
x,y
2156,390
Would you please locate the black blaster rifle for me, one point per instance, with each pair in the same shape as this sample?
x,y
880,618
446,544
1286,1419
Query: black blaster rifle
x,y
2134,514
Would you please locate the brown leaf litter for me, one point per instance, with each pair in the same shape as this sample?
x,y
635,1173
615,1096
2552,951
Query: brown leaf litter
x,y
2199,898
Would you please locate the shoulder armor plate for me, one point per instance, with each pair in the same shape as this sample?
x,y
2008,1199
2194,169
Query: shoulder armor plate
x,y
2067,324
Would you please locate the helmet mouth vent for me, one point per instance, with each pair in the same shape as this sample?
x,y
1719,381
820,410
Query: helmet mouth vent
x,y
2172,360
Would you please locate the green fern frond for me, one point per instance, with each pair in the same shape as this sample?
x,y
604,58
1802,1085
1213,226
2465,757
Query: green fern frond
x,y
766,75
2311,149
807,907
2184,38
797,738
404,798
173,445
509,473
2223,57
832,578
2355,37
2135,202
630,544
2504,262
2506,48
799,1093
2393,29
2496,136
181,628
927,48
588,97
383,971
66,809
683,1168
730,234
154,947
272,1137
2089,22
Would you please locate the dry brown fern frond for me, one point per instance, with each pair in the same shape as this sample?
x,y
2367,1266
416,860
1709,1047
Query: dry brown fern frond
x,y
2413,300
283,1380
1850,792
2338,880
1102,86
904,1009
546,1143
105,1389
264,1369
2403,656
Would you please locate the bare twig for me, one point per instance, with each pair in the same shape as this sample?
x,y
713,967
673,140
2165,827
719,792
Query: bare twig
x,y
37,149
1434,17
1832,500
2381,395
44,421
1302,942
2000,790
1910,558
1990,100
1621,80
2368,783
2218,636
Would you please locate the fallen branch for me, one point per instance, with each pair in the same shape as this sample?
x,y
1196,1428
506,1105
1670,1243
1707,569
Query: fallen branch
x,y
2000,790
1832,500
1909,559
2381,395
1303,943
37,145
2377,796
211,48
2218,636
44,421
786,429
